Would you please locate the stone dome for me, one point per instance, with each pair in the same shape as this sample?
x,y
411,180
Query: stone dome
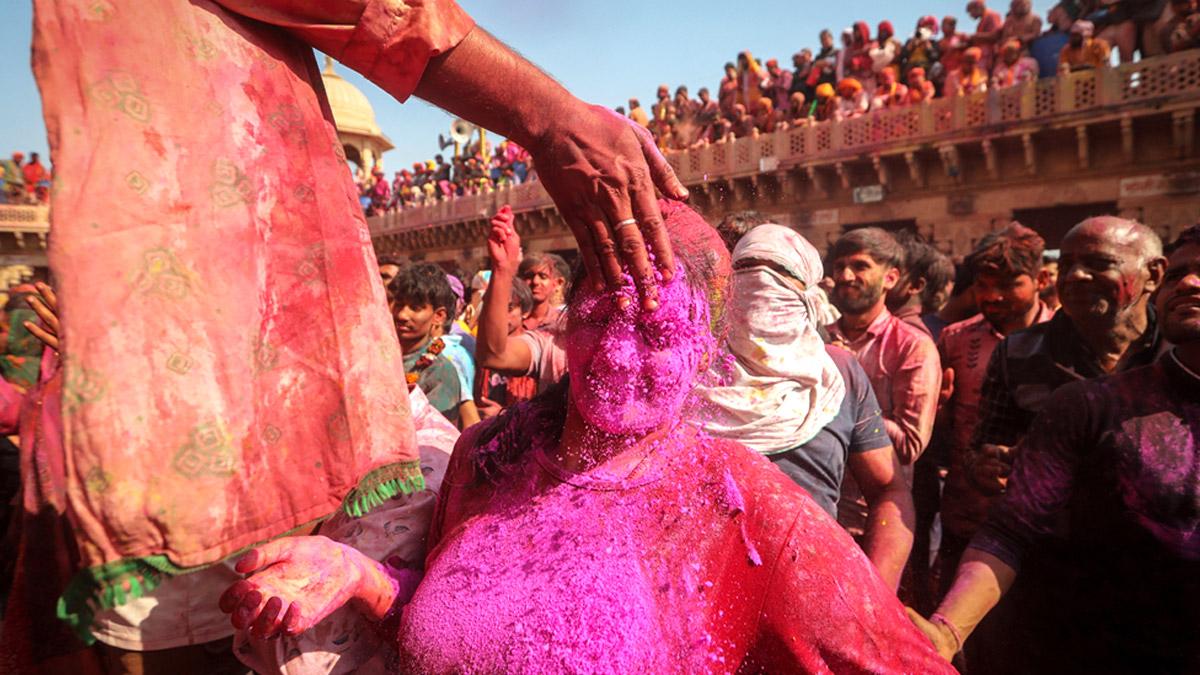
x,y
352,112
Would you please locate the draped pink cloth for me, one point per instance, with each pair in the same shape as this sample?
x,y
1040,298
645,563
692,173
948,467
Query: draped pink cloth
x,y
231,369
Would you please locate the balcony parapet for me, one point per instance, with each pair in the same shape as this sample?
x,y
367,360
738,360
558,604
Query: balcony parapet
x,y
1151,84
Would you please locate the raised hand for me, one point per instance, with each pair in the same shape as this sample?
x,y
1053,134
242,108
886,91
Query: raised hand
x,y
504,244
296,582
45,305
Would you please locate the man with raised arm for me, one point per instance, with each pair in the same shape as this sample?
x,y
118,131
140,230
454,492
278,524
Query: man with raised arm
x,y
534,353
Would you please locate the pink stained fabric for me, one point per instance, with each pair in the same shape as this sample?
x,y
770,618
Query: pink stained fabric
x,y
10,407
967,347
232,371
705,559
906,373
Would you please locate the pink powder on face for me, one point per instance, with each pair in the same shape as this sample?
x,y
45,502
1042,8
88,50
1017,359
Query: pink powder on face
x,y
631,370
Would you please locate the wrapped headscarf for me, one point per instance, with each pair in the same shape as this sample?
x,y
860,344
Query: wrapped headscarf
x,y
849,87
784,387
862,33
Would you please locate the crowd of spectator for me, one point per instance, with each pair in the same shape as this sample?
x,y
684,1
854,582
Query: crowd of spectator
x,y
863,73
868,72
24,182
477,169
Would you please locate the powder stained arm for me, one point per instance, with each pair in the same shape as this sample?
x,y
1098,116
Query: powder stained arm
x,y
824,607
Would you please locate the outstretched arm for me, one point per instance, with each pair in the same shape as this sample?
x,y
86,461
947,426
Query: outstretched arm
x,y
295,582
980,581
600,169
1039,490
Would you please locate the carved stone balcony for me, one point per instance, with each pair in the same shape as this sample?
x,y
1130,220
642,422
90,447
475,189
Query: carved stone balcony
x,y
23,235
1111,140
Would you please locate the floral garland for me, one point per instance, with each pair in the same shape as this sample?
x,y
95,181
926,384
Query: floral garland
x,y
427,359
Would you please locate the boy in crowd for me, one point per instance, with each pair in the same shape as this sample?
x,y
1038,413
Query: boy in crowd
x,y
547,276
534,352
495,390
422,302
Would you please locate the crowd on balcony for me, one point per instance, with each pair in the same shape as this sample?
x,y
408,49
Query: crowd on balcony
x,y
839,81
477,169
24,182
880,71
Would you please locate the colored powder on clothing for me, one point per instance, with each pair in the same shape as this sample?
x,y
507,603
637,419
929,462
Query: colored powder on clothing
x,y
648,557
562,571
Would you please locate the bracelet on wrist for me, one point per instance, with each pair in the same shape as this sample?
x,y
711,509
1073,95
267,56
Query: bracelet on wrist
x,y
938,617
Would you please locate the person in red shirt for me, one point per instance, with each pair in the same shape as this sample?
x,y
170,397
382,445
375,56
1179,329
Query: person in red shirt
x,y
950,48
1008,280
594,530
900,359
34,173
987,31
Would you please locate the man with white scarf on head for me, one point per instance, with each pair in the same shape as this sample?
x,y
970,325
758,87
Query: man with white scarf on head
x,y
806,406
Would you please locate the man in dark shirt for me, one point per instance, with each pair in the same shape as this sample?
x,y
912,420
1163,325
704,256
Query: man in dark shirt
x,y
819,464
1106,481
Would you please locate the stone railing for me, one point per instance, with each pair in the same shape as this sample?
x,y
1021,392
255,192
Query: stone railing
x,y
19,217
1147,83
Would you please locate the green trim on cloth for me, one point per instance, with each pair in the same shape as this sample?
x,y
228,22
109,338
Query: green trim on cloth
x,y
383,484
103,587
110,585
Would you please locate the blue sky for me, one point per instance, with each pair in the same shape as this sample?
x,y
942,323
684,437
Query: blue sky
x,y
604,52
